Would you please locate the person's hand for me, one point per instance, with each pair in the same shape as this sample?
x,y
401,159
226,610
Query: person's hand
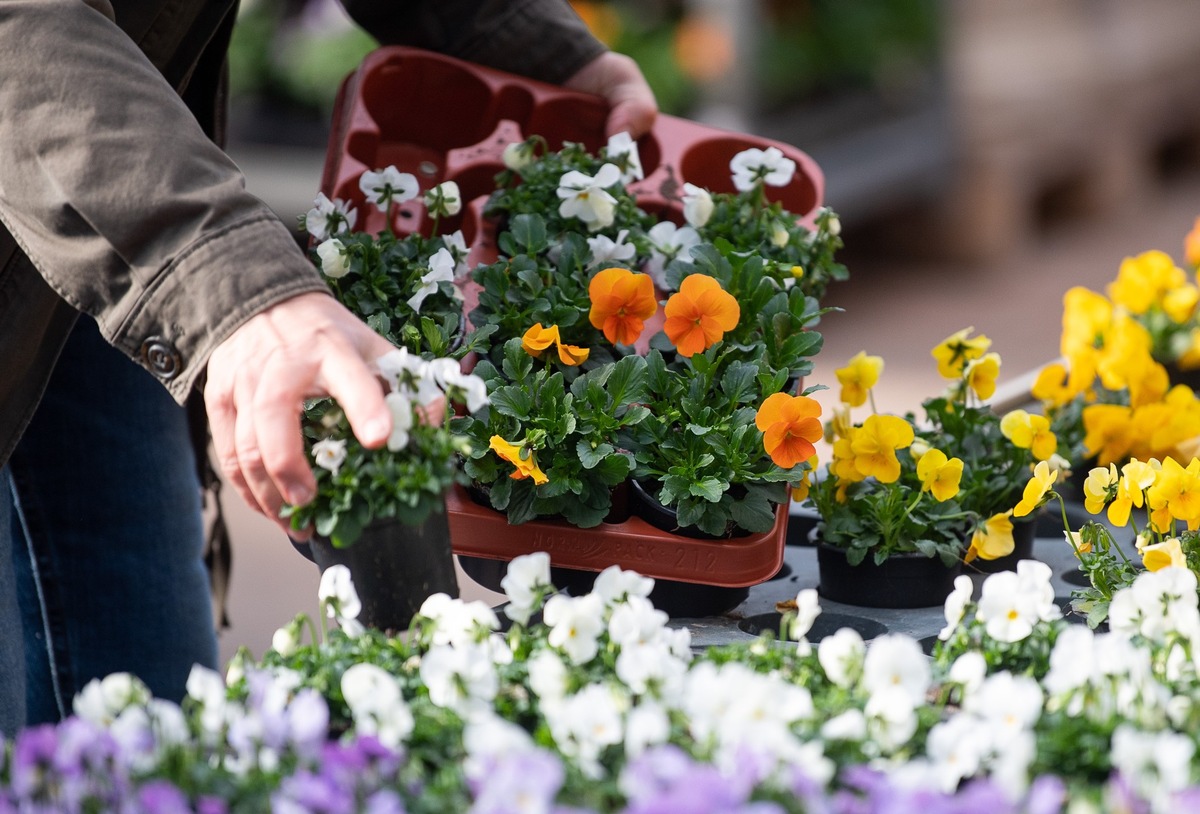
x,y
258,379
618,79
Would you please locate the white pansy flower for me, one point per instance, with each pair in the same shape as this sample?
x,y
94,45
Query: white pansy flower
x,y
605,250
527,575
457,621
622,150
615,584
956,747
399,367
697,205
548,675
841,656
1007,702
376,703
770,166
328,218
585,724
635,620
334,262
956,604
668,242
441,270
207,688
779,235
330,454
1071,661
850,725
1008,612
444,200
460,677
401,410
575,625
388,186
336,592
102,699
1035,582
646,725
808,608
968,671
586,197
894,660
891,719
517,155
448,375
456,244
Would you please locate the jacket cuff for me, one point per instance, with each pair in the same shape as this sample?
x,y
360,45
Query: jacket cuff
x,y
206,293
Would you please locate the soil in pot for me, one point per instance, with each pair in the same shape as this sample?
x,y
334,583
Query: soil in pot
x,y
900,581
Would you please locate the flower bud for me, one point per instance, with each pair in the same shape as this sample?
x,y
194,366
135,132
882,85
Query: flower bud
x,y
334,262
518,155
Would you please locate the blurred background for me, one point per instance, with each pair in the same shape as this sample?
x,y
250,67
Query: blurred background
x,y
983,156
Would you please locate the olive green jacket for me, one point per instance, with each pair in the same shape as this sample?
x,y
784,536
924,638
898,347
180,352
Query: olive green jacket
x,y
115,200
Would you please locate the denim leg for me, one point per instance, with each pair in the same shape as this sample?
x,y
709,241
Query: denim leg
x,y
109,536
12,641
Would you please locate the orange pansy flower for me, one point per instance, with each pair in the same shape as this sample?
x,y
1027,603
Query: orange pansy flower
x,y
791,426
537,339
699,314
525,467
622,301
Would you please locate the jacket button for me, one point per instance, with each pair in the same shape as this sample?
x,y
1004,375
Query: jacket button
x,y
162,358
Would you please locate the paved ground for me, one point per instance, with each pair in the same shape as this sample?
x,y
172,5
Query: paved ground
x,y
894,307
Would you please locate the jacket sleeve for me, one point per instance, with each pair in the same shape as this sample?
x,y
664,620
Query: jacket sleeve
x,y
541,39
126,209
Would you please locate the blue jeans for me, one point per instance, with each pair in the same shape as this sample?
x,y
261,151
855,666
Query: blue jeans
x,y
101,539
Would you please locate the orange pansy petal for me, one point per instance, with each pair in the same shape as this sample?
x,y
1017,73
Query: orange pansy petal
x,y
572,354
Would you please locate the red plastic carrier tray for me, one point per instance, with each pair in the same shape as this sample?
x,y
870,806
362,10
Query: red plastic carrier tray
x,y
443,119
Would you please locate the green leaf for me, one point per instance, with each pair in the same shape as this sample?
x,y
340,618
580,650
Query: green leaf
x,y
709,488
753,515
590,456
529,231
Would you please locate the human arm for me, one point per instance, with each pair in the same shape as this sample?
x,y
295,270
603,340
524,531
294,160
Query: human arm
x,y
541,39
131,214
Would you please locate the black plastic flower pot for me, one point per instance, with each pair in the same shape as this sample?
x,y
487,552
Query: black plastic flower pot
x,y
395,568
900,581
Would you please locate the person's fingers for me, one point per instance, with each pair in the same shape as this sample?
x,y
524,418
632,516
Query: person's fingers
x,y
258,379
619,80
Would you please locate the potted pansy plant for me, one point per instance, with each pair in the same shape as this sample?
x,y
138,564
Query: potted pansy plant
x,y
381,511
583,279
905,501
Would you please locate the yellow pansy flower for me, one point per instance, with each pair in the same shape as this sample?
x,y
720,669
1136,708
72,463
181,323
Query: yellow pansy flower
x,y
1086,318
858,377
520,457
1126,353
537,339
801,489
982,373
1107,432
875,444
1041,482
993,539
1180,303
1161,555
1143,280
939,475
957,350
1030,431
1052,385
1100,487
1178,489
1136,477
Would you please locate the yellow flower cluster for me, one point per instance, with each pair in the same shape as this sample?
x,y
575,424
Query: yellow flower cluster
x,y
1169,492
1115,348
